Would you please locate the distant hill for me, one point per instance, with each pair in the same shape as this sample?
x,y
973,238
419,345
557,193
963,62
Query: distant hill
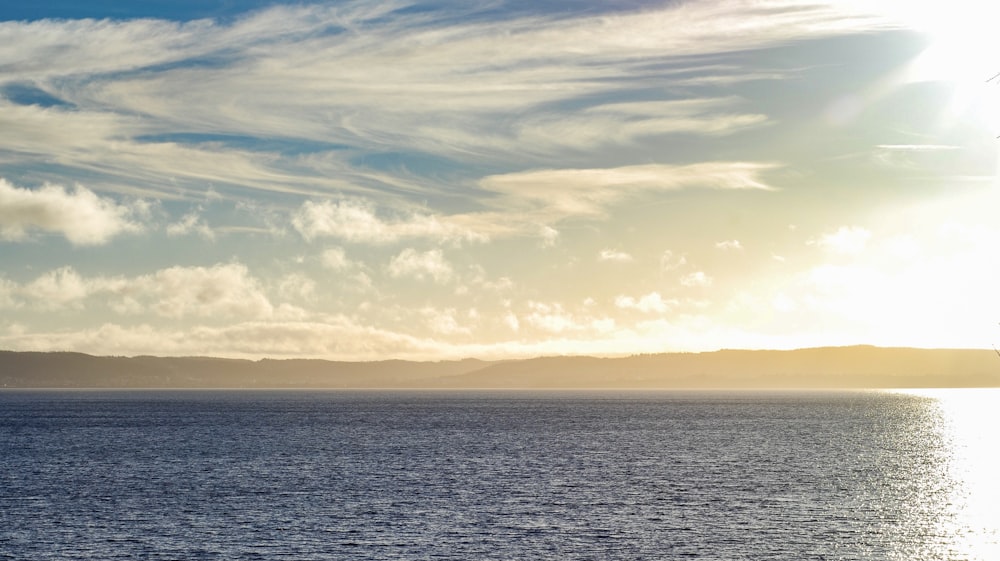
x,y
77,370
827,367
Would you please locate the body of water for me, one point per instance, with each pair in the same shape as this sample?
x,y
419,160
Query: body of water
x,y
499,476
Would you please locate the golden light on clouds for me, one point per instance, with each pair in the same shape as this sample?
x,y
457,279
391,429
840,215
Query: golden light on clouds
x,y
359,181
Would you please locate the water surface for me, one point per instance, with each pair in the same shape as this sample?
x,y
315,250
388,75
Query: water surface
x,y
465,475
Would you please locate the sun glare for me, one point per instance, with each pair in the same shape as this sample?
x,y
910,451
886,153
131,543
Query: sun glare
x,y
962,51
966,420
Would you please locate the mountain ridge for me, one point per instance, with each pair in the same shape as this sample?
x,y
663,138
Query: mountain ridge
x,y
859,366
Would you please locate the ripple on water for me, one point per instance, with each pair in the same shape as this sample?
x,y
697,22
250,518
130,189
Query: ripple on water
x,y
298,475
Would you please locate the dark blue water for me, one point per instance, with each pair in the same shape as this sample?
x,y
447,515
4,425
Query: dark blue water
x,y
300,475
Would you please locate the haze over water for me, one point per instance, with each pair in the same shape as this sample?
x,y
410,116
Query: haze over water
x,y
499,475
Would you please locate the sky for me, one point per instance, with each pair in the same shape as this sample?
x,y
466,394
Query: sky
x,y
438,180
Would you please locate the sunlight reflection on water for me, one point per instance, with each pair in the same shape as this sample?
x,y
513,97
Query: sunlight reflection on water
x,y
877,476
967,422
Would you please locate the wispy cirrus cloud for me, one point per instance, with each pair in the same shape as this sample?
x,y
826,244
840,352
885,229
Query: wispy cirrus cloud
x,y
417,179
154,101
570,192
527,203
191,223
917,157
917,147
624,123
121,156
449,81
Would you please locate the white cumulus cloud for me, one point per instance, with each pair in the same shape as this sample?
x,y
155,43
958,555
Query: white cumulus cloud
x,y
335,258
648,303
357,221
421,265
697,278
80,215
59,288
222,290
848,240
614,255
670,260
